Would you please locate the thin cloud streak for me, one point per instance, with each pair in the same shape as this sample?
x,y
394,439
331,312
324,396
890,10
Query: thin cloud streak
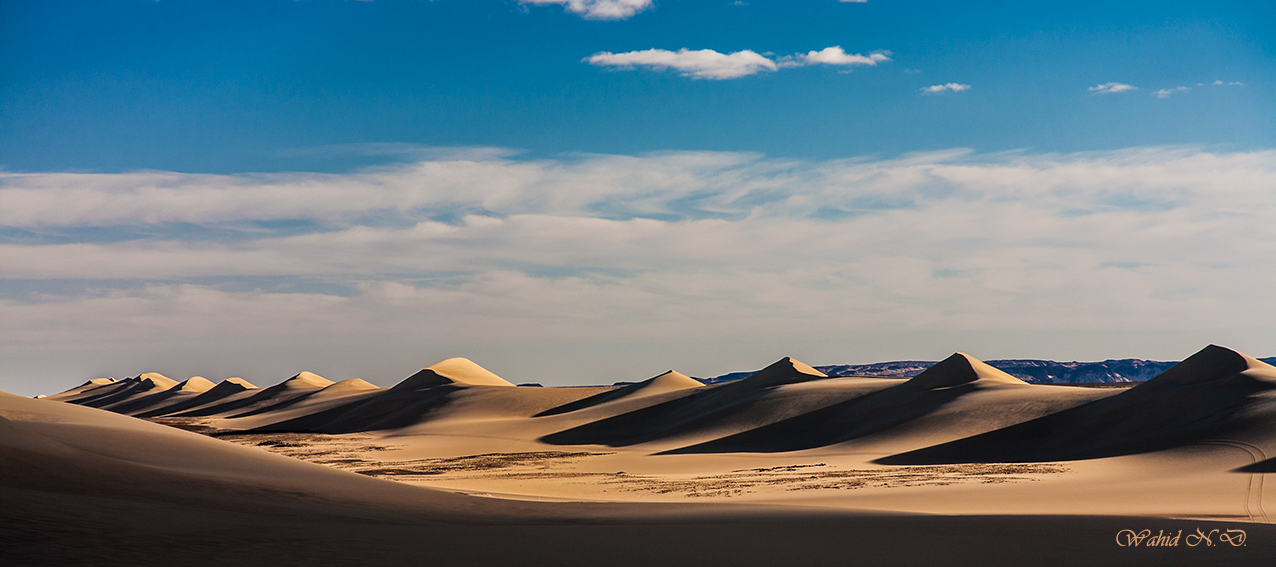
x,y
1165,93
1110,88
947,87
697,64
597,9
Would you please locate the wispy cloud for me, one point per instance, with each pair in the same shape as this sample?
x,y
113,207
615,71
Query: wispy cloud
x,y
947,87
1108,88
598,9
834,55
1165,93
698,64
464,249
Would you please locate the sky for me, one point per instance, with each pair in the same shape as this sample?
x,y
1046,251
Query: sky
x,y
587,191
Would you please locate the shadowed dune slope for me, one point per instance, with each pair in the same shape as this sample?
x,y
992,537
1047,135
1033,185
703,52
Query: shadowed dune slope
x,y
960,369
300,385
92,390
744,404
220,392
161,399
955,377
341,394
407,403
670,381
78,485
397,408
460,371
1216,393
83,388
129,389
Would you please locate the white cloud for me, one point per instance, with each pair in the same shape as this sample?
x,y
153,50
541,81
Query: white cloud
x,y
1107,88
710,64
853,1
1165,93
1228,83
953,87
833,56
471,249
699,64
598,9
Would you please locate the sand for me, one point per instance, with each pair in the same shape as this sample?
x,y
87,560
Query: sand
x,y
961,464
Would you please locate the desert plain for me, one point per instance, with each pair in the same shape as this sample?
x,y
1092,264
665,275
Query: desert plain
x,y
962,464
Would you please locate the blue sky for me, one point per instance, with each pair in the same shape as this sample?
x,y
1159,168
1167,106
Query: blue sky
x,y
585,191
230,86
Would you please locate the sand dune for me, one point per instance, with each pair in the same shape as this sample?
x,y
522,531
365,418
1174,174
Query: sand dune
x,y
220,392
720,410
942,385
1215,393
670,381
961,464
460,371
93,388
197,384
300,385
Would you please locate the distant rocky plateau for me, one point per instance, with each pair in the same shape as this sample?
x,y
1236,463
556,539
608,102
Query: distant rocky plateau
x,y
1028,370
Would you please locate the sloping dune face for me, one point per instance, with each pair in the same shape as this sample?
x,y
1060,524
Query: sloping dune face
x,y
671,381
195,384
1216,393
221,392
668,382
233,400
307,380
155,380
961,368
460,371
237,384
351,385
784,371
724,408
955,378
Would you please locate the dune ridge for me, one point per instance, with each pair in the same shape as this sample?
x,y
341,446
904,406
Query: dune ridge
x,y
461,371
1216,392
669,381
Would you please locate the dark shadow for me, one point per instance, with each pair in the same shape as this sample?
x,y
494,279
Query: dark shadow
x,y
1268,466
844,421
1203,397
589,402
388,409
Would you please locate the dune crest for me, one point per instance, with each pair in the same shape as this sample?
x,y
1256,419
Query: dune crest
x,y
1217,393
306,379
787,370
194,384
961,368
152,380
352,384
461,371
668,382
1208,364
237,382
